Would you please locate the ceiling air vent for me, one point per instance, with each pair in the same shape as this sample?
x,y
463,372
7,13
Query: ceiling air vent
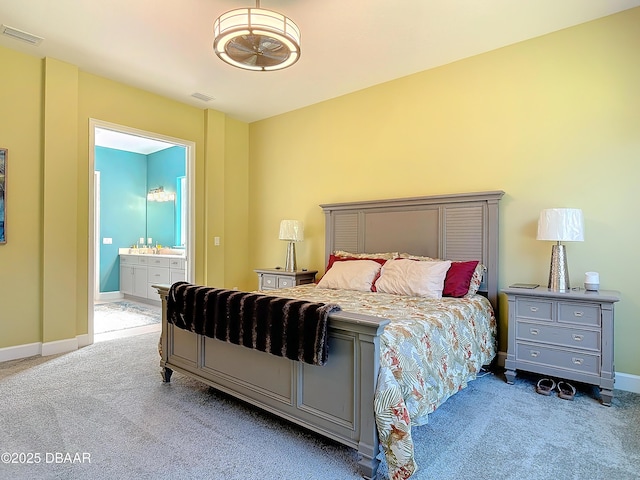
x,y
20,35
203,97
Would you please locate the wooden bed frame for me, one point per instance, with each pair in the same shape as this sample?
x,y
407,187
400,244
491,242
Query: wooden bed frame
x,y
336,400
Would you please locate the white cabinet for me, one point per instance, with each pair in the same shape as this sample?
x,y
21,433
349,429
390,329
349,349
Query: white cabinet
x,y
133,277
176,272
138,274
157,273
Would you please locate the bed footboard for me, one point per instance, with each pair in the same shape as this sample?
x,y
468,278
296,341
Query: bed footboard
x,y
335,400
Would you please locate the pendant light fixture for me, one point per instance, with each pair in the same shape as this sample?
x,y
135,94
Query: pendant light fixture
x,y
256,39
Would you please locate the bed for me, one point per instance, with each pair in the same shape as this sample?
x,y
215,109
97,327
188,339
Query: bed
x,y
358,398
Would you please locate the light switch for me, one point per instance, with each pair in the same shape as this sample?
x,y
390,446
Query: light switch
x,y
107,241
216,241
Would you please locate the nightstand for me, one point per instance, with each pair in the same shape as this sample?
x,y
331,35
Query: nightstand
x,y
568,335
272,278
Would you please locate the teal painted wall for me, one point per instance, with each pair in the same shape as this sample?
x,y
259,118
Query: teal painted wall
x,y
125,214
123,189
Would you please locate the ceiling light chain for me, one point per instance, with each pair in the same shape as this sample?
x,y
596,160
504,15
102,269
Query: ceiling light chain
x,y
256,39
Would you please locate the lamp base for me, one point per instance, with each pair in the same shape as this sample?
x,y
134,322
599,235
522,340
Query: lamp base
x,y
290,264
559,272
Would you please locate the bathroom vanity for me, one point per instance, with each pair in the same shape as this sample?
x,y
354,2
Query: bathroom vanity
x,y
139,271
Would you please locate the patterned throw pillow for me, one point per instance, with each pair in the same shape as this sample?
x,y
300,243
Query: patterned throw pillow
x,y
476,279
419,257
385,256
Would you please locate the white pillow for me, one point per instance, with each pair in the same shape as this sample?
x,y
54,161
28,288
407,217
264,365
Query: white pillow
x,y
413,278
351,275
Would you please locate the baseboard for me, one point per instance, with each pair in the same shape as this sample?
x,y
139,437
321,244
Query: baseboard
x,y
627,382
20,351
59,346
624,381
43,349
109,296
84,340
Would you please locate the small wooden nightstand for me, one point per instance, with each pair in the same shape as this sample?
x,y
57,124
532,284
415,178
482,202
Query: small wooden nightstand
x,y
272,278
568,335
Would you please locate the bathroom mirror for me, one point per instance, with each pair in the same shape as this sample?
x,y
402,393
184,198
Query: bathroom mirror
x,y
165,183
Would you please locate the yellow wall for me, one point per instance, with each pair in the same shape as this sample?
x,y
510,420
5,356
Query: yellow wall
x,y
60,201
46,106
21,257
554,122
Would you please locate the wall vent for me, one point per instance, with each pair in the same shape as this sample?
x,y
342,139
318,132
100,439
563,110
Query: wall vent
x,y
203,97
20,35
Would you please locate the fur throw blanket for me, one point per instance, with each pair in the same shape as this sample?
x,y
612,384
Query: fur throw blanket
x,y
295,329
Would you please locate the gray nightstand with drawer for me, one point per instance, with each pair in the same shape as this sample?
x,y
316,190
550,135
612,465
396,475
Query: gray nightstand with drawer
x,y
568,335
272,278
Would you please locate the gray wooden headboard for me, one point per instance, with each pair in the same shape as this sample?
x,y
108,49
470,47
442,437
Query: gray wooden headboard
x,y
451,227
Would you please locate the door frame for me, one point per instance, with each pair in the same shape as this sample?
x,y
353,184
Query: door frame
x,y
190,168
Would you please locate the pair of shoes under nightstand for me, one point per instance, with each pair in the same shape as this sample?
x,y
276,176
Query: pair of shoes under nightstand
x,y
566,391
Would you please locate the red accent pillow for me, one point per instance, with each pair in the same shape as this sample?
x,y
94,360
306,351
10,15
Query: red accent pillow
x,y
456,283
334,258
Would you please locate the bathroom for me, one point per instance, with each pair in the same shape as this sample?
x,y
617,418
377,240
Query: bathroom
x,y
140,210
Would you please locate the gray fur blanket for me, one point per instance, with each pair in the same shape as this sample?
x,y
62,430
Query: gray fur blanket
x,y
295,329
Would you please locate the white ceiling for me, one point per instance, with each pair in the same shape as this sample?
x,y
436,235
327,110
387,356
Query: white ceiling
x,y
128,142
165,46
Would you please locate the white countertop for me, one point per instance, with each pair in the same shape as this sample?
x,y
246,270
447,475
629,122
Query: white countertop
x,y
147,252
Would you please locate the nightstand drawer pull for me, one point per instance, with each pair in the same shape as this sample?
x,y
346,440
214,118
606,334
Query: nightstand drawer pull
x,y
533,309
534,353
577,361
268,281
577,314
578,338
534,331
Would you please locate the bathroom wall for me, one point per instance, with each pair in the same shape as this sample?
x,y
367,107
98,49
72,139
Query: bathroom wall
x,y
123,188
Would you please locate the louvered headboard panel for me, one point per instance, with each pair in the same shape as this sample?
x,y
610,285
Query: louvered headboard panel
x,y
452,227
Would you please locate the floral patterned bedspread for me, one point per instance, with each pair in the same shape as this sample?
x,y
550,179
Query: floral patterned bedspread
x,y
429,351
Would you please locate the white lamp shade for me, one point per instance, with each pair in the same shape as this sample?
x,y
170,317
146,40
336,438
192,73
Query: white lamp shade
x,y
561,224
292,230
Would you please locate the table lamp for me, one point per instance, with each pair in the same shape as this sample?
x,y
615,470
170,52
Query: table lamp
x,y
560,225
291,231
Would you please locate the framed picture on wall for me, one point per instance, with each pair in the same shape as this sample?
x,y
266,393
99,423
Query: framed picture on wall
x,y
3,195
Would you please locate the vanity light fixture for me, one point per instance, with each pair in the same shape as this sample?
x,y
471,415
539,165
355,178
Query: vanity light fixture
x,y
256,39
291,231
159,195
560,225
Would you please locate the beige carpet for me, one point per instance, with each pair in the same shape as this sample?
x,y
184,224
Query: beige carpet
x,y
107,400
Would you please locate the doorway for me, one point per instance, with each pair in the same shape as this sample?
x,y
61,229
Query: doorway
x,y
136,142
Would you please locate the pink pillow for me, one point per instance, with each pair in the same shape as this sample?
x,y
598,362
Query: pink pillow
x,y
357,275
456,283
335,258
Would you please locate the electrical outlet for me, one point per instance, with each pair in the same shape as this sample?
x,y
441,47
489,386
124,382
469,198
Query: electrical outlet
x,y
107,241
216,241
